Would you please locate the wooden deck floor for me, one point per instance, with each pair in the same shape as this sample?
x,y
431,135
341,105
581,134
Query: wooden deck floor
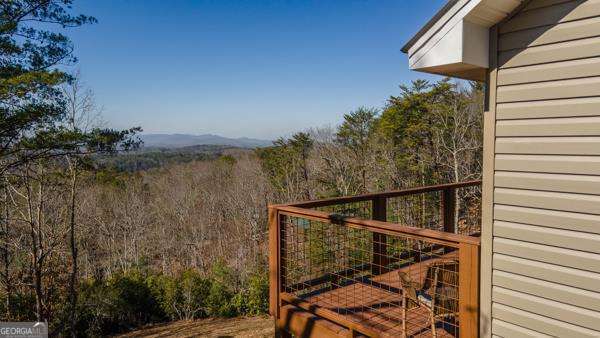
x,y
376,303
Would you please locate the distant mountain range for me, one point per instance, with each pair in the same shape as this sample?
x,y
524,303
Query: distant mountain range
x,y
186,140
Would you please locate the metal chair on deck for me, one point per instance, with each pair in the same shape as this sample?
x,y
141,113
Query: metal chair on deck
x,y
438,294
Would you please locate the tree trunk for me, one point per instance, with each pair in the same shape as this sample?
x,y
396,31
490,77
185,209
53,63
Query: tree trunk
x,y
307,194
456,196
73,247
36,249
6,255
38,291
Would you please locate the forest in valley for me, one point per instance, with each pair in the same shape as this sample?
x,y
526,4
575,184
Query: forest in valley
x,y
94,243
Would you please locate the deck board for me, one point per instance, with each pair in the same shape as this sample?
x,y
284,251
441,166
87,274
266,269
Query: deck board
x,y
371,304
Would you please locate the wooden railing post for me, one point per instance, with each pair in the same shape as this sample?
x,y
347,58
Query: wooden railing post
x,y
468,290
274,251
448,209
380,257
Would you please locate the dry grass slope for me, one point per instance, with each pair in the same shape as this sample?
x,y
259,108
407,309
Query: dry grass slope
x,y
253,327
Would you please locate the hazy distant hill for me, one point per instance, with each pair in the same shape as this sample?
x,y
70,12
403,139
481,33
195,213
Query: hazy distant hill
x,y
185,140
156,157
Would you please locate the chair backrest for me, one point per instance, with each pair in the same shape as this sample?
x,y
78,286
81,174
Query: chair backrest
x,y
441,285
442,273
439,274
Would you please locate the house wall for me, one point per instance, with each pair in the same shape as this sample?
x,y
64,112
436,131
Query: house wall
x,y
541,229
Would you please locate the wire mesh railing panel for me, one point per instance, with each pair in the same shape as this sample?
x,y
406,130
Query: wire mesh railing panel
x,y
421,210
469,210
360,209
390,283
426,210
418,210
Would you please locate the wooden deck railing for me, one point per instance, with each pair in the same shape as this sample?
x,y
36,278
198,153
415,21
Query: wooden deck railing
x,y
345,273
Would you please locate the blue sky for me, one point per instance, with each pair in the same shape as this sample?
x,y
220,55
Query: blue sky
x,y
256,68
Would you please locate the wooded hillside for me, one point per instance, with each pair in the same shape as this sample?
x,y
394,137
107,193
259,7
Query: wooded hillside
x,y
189,240
94,250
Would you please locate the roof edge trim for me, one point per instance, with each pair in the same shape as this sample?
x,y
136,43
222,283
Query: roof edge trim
x,y
428,25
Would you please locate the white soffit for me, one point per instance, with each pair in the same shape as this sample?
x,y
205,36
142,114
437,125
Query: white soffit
x,y
456,41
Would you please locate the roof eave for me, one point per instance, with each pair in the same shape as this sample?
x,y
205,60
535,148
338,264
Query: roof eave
x,y
456,39
428,25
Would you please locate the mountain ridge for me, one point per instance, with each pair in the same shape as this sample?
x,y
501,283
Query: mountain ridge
x,y
178,140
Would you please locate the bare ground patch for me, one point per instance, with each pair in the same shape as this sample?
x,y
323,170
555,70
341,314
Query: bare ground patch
x,y
252,327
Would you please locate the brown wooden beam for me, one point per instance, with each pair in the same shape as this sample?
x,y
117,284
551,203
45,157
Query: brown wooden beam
x,y
273,262
448,210
468,290
380,257
304,324
329,315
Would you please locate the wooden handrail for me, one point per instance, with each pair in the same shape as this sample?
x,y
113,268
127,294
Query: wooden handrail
x,y
433,236
387,194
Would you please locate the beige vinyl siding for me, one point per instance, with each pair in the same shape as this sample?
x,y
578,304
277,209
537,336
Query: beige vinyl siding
x,y
523,248
571,126
568,50
577,203
586,106
538,4
560,89
542,35
504,329
584,184
548,145
551,15
550,71
577,278
583,165
545,270
574,240
533,321
549,218
533,286
574,315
